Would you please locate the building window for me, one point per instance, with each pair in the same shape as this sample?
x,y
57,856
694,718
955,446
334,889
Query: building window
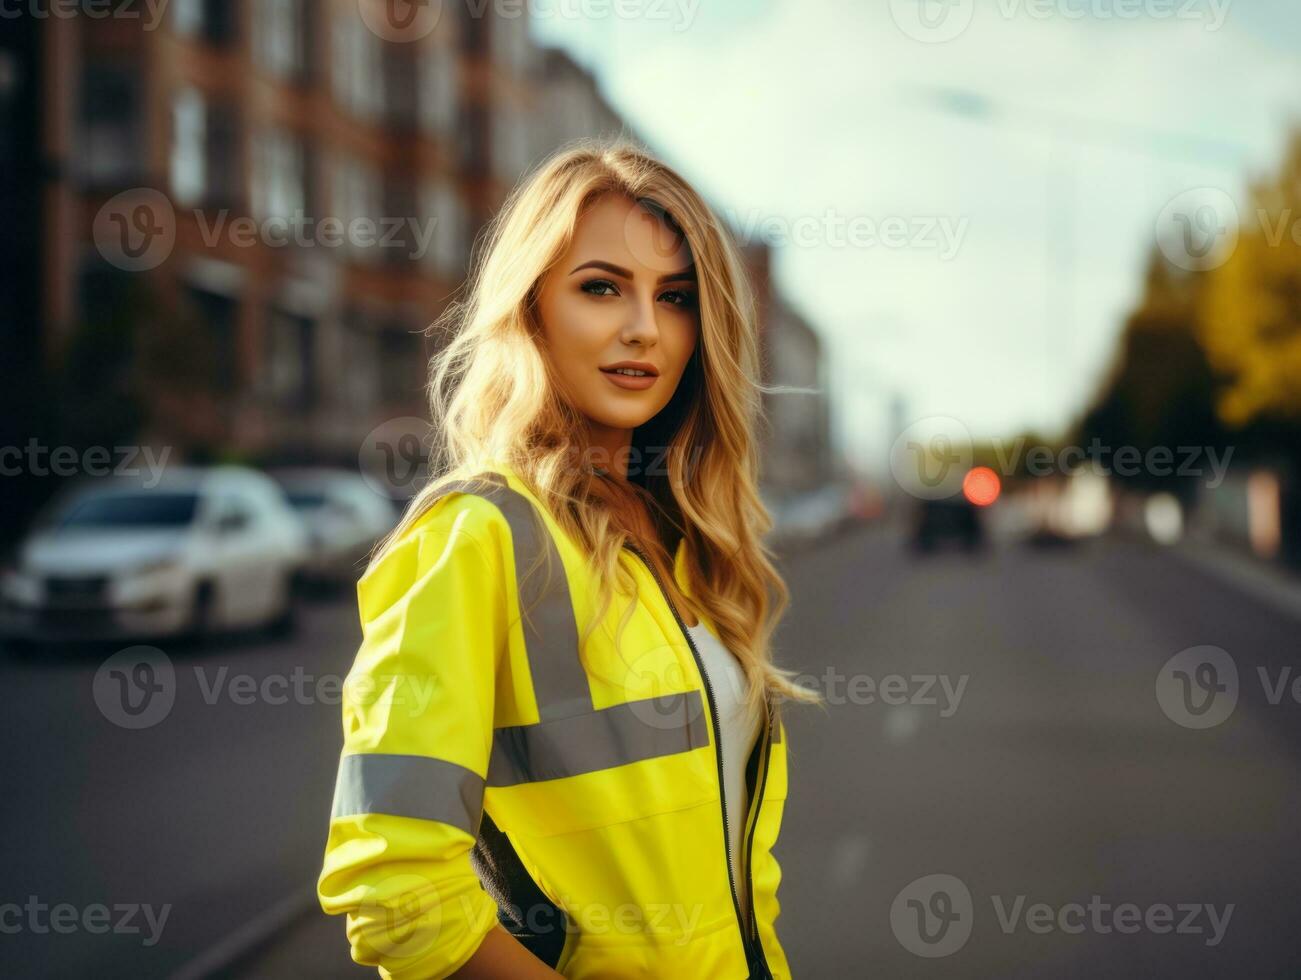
x,y
402,365
400,245
217,316
439,93
205,151
474,138
358,77
511,45
360,355
443,206
279,175
189,147
210,21
110,123
510,142
356,190
282,38
401,85
291,365
476,30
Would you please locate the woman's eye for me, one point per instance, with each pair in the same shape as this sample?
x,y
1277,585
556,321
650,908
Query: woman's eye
x,y
680,297
595,287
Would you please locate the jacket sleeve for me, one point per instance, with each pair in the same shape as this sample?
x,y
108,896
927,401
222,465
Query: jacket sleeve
x,y
418,711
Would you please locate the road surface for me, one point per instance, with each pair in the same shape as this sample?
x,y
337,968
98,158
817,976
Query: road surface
x,y
992,721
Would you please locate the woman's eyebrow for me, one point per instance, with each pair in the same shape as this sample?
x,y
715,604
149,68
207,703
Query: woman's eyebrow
x,y
689,273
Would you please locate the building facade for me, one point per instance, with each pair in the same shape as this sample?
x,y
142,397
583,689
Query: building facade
x,y
290,191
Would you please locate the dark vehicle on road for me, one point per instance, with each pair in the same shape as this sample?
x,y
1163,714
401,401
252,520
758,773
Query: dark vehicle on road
x,y
951,520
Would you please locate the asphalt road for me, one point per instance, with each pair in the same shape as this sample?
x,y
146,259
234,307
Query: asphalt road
x,y
991,720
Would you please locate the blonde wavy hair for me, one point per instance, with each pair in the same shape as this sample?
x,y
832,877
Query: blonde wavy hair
x,y
493,396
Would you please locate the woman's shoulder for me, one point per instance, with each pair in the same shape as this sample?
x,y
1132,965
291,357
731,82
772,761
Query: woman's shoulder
x,y
454,535
456,508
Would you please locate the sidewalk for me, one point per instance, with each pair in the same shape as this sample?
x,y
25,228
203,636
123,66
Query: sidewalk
x,y
1270,582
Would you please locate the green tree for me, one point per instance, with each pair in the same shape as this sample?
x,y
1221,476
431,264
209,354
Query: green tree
x,y
1161,389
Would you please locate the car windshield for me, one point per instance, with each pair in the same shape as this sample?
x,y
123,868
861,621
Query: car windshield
x,y
131,510
306,499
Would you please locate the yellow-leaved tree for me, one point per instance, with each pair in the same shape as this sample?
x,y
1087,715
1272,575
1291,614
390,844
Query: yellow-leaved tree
x,y
1250,314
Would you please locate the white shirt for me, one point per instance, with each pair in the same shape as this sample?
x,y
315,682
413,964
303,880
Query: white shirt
x,y
739,731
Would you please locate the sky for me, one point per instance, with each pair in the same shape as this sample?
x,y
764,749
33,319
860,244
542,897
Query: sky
x,y
962,193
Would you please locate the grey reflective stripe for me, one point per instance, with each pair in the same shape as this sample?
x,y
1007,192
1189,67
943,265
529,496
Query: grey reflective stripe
x,y
614,736
409,786
550,628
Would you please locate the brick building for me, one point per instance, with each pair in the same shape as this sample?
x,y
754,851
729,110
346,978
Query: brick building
x,y
231,158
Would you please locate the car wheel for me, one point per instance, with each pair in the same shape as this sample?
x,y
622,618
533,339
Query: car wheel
x,y
20,647
203,623
285,623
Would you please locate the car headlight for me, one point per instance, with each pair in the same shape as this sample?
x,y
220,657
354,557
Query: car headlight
x,y
19,586
157,566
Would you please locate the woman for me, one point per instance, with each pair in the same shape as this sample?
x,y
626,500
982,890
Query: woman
x,y
563,755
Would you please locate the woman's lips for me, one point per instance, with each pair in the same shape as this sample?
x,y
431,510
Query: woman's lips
x,y
631,382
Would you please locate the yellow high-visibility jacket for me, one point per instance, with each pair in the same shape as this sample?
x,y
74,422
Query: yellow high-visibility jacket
x,y
495,771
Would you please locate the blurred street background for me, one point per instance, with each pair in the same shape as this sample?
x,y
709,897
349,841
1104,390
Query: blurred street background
x,y
1029,281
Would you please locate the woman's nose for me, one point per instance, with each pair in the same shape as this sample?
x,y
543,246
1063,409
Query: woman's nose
x,y
641,327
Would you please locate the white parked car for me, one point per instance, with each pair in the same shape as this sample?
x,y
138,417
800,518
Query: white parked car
x,y
201,550
344,517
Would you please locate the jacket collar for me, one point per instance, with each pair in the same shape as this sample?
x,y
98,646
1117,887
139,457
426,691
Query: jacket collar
x,y
499,465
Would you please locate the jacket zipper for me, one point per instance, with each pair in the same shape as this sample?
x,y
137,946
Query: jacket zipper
x,y
761,781
722,792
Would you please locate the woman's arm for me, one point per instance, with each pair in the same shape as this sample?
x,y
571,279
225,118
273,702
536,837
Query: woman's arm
x,y
503,957
418,713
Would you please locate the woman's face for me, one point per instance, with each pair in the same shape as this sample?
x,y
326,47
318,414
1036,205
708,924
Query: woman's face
x,y
625,291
